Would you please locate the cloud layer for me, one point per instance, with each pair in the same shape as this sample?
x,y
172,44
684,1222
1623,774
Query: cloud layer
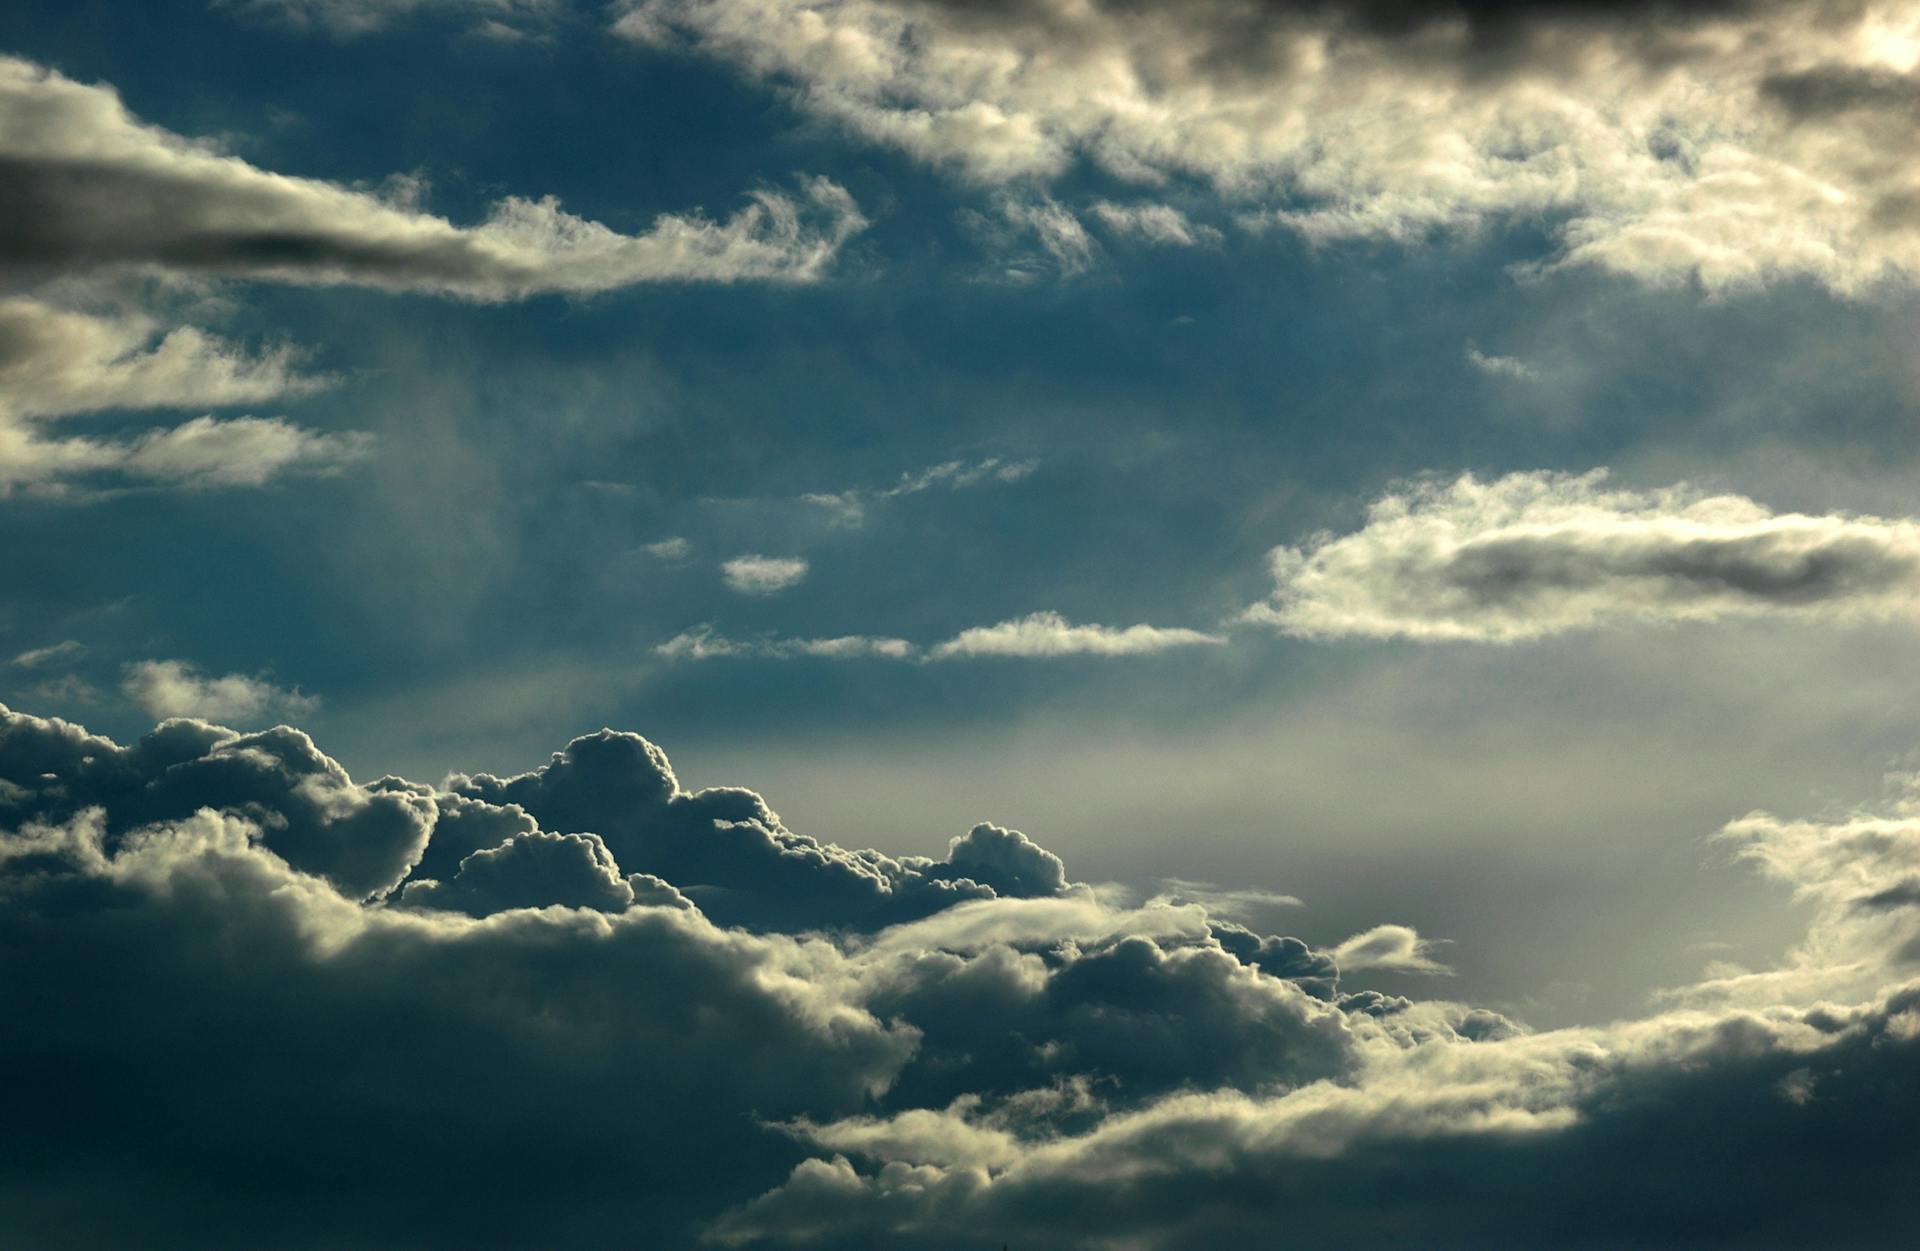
x,y
1535,554
1730,143
258,1002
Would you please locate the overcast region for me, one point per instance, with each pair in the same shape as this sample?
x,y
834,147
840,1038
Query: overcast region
x,y
1535,554
670,1017
1728,142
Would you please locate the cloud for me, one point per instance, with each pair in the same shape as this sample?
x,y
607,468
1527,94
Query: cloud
x,y
1501,366
352,18
704,644
849,507
669,549
56,362
1153,223
1389,948
90,188
65,649
1047,634
763,575
228,932
1534,554
174,688
1728,143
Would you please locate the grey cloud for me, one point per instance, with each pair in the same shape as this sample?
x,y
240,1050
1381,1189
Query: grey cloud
x,y
231,1032
85,186
1536,554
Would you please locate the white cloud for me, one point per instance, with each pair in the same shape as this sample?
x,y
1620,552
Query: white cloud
x,y
1153,223
763,575
66,649
1667,142
174,688
1534,554
1389,948
669,549
849,507
93,188
704,644
1501,366
1043,634
498,19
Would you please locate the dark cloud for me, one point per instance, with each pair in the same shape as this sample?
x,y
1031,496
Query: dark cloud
x,y
226,1030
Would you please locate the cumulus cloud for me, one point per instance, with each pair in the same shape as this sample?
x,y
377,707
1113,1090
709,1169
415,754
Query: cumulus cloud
x,y
174,688
228,932
763,575
1535,554
91,188
1044,634
1727,143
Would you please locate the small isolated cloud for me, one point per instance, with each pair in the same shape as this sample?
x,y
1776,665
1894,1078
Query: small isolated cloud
x,y
850,507
1390,949
65,649
174,688
704,644
1534,554
1501,366
672,549
1153,223
1044,634
763,575
345,19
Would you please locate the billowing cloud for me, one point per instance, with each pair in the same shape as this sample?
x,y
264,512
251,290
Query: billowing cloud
x,y
91,188
347,1004
174,688
1044,634
1535,554
1727,143
763,575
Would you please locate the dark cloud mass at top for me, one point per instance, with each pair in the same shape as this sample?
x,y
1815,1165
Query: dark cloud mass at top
x,y
253,1002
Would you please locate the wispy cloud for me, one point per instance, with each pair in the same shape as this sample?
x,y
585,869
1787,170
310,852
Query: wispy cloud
x,y
175,688
1048,634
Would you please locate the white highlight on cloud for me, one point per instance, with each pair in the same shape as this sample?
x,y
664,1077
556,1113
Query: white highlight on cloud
x,y
763,575
1389,949
1046,634
175,688
1534,554
1730,145
93,188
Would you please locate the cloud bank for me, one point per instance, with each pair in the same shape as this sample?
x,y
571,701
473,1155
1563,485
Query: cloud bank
x,y
91,188
258,1002
1728,143
1535,554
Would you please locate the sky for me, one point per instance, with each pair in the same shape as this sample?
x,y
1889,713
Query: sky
x,y
855,623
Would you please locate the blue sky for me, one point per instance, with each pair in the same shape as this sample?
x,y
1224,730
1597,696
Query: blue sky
x,y
1438,464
